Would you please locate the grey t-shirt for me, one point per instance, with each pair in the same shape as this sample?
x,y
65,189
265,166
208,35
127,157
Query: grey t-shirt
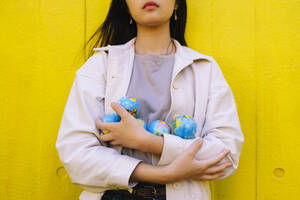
x,y
150,85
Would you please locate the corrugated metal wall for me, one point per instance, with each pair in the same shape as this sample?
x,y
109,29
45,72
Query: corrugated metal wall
x,y
256,43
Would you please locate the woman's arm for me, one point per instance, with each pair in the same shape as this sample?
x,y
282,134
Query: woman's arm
x,y
221,129
121,134
89,164
129,133
183,167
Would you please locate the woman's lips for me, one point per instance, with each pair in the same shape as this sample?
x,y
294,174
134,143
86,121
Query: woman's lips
x,y
150,5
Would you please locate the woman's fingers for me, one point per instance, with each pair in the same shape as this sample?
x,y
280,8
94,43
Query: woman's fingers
x,y
114,142
217,168
210,176
106,137
195,147
214,160
120,110
104,125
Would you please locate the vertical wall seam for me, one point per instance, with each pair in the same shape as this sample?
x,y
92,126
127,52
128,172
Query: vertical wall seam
x,y
84,27
256,100
38,188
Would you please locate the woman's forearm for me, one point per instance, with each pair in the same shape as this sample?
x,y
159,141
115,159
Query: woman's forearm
x,y
152,144
184,167
153,174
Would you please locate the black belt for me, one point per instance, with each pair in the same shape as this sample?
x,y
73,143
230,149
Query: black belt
x,y
142,190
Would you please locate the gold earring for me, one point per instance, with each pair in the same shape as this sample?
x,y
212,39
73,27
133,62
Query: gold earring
x,y
130,22
175,16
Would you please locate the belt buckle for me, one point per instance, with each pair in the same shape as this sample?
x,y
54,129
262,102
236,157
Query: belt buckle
x,y
152,187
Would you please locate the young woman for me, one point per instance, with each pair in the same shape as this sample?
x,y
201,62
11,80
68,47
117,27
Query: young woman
x,y
143,54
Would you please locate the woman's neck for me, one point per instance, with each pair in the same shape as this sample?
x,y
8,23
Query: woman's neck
x,y
154,40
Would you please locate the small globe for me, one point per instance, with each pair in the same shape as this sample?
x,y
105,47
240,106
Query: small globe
x,y
159,127
143,123
185,127
113,117
130,104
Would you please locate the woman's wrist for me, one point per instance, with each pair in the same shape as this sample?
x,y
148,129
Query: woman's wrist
x,y
151,143
152,174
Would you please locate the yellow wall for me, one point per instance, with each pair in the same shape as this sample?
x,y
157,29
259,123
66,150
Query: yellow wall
x,y
255,42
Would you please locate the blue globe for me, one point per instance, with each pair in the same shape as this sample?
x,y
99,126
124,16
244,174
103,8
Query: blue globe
x,y
185,127
131,105
159,127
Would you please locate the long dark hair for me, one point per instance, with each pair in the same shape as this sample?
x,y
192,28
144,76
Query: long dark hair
x,y
116,28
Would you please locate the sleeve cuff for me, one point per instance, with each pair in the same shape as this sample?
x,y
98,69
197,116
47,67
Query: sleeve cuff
x,y
123,171
132,184
173,146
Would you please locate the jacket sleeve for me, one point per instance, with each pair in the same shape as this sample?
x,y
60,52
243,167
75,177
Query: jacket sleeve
x,y
90,164
221,129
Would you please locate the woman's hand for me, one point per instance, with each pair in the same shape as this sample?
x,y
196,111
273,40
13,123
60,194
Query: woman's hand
x,y
129,132
187,167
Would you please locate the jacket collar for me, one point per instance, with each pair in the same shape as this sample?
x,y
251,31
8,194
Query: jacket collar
x,y
183,52
124,53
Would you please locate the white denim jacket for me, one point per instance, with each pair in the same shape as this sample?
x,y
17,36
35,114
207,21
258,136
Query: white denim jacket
x,y
198,88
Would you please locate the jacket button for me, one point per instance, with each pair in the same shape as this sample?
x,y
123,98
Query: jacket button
x,y
176,186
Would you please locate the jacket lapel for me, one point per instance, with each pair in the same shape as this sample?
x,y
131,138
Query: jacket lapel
x,y
184,57
119,68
